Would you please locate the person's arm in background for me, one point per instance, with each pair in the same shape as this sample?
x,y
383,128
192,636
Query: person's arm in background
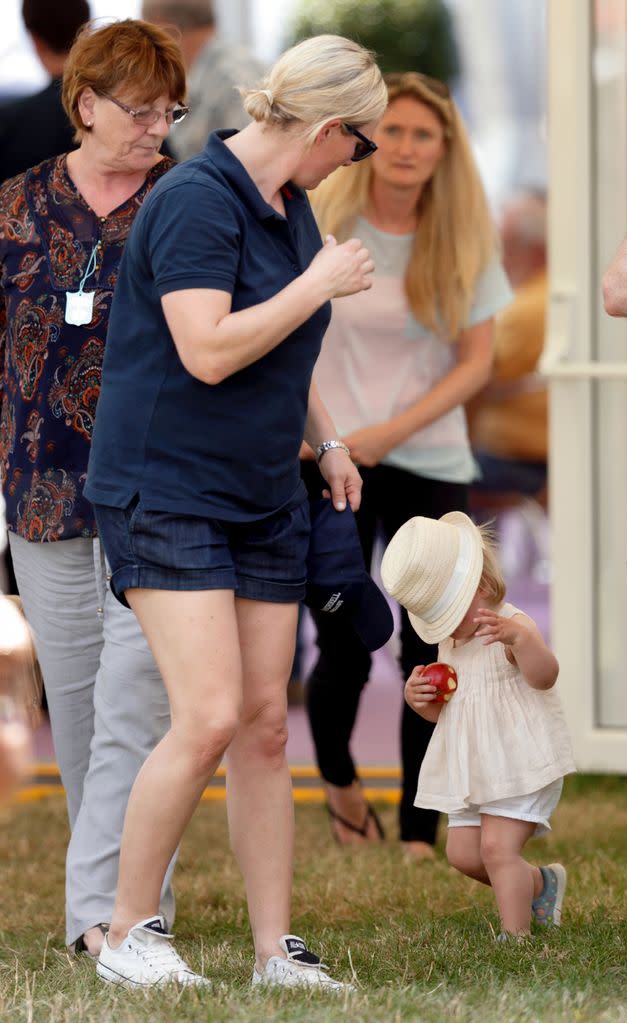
x,y
471,372
615,283
519,332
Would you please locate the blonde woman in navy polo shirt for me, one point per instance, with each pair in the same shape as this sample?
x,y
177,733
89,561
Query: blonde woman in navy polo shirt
x,y
222,302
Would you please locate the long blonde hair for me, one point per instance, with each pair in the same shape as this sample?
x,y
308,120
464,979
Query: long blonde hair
x,y
455,238
319,79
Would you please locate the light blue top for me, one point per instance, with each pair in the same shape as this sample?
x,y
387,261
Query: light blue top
x,y
377,359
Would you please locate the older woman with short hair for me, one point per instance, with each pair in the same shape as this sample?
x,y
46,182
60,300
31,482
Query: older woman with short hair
x,y
63,227
217,323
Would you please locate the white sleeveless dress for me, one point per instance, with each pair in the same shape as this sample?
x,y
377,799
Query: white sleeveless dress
x,y
497,737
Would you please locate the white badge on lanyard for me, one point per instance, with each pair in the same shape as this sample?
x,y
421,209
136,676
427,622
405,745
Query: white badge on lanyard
x,y
79,305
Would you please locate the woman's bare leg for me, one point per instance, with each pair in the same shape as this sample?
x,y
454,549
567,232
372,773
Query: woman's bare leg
x,y
259,788
195,642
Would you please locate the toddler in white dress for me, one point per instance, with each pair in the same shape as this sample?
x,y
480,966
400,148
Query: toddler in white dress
x,y
501,747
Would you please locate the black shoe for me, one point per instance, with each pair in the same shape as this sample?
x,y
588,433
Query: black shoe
x,y
371,815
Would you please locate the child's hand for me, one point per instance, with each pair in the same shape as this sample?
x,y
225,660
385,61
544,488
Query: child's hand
x,y
497,629
419,693
524,646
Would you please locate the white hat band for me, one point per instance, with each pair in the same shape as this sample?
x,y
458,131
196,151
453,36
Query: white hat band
x,y
457,581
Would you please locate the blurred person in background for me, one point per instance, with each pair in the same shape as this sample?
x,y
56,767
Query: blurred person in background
x,y
509,418
63,228
397,366
16,663
215,69
414,36
502,88
37,127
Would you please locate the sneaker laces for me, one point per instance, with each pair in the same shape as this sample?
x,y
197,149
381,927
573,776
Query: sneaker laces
x,y
299,958
294,968
161,954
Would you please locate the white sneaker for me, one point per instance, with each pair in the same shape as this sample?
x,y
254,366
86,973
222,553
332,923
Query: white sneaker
x,y
301,968
145,958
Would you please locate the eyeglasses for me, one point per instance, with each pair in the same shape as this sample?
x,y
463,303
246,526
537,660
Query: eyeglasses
x,y
149,117
364,147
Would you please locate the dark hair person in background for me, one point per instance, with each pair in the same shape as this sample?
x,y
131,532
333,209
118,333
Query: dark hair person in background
x,y
63,228
37,127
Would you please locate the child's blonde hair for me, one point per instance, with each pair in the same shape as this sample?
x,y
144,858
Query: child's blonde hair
x,y
492,580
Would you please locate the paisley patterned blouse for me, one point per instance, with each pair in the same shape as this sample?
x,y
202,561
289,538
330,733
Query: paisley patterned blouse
x,y
50,369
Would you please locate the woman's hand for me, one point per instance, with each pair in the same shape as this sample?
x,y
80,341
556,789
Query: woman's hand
x,y
343,478
371,444
345,269
420,694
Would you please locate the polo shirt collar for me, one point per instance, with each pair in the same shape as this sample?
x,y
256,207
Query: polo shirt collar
x,y
241,181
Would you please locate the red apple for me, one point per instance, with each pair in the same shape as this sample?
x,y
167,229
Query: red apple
x,y
443,677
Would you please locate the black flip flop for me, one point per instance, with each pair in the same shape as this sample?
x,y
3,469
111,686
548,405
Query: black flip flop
x,y
371,814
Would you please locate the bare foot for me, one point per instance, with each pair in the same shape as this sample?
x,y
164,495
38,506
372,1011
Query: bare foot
x,y
352,821
418,851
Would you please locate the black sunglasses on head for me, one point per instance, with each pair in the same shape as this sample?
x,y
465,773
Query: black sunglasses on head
x,y
364,146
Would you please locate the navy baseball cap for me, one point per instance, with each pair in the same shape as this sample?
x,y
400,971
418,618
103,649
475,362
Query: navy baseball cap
x,y
338,581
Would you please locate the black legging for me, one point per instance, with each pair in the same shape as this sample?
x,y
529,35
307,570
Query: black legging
x,y
390,496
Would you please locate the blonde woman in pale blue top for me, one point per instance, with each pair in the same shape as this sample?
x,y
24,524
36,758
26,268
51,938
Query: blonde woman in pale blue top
x,y
397,366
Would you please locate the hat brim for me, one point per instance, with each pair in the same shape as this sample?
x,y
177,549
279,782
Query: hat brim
x,y
445,625
372,617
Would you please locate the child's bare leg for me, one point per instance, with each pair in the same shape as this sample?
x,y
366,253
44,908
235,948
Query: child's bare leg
x,y
516,883
463,851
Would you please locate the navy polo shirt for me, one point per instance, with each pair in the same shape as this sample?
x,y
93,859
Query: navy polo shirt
x,y
228,450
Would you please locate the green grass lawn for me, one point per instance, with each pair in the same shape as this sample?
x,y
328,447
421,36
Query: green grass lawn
x,y
418,937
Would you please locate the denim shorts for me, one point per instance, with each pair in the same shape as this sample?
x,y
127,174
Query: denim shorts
x,y
261,560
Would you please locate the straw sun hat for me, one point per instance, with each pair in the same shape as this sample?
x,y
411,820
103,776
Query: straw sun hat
x,y
433,568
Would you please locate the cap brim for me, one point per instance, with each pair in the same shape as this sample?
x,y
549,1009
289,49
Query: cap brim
x,y
372,617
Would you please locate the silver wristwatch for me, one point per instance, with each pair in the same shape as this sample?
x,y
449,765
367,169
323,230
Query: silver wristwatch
x,y
327,445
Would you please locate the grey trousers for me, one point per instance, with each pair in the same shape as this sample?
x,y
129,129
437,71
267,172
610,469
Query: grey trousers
x,y
108,709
